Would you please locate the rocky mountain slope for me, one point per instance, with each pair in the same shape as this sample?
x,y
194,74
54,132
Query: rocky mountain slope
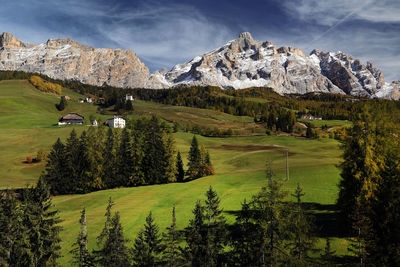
x,y
244,62
67,59
241,63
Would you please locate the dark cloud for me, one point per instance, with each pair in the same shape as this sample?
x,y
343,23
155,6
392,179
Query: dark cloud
x,y
164,33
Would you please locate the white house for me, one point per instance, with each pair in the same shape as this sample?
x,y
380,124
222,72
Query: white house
x,y
89,99
129,98
94,123
310,117
116,122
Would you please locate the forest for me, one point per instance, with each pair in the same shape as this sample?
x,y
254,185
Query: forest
x,y
141,154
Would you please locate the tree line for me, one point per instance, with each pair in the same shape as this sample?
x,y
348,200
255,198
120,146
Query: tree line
x,y
143,153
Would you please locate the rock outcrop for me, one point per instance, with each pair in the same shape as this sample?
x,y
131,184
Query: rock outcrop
x,y
240,63
244,62
68,60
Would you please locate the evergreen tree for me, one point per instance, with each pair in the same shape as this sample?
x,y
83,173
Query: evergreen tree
x,y
105,233
124,173
195,238
270,214
115,251
301,241
57,172
109,160
169,159
216,231
243,238
137,157
13,242
147,247
180,172
194,159
63,104
309,132
73,151
171,255
80,252
41,222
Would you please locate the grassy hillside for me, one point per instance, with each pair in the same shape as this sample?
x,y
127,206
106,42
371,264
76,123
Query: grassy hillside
x,y
28,119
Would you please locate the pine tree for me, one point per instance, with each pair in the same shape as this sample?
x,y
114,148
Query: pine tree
x,y
169,158
149,243
171,256
180,174
80,252
195,237
194,159
73,151
216,231
41,222
115,252
124,173
13,242
105,233
301,241
63,104
270,213
57,169
243,238
109,162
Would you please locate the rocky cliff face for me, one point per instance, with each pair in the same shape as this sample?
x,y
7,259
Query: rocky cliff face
x,y
241,63
68,60
244,62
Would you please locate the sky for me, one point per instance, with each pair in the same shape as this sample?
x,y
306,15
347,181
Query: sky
x,y
165,33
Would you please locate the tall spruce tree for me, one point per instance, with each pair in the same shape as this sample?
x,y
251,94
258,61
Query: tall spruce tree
x,y
105,233
270,214
80,252
243,238
216,231
115,252
124,173
149,243
14,247
57,169
180,172
109,160
196,238
41,222
171,239
300,235
194,159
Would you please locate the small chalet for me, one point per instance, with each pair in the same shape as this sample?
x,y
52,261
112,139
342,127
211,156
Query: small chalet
x,y
67,97
116,122
310,117
95,123
129,98
80,100
71,118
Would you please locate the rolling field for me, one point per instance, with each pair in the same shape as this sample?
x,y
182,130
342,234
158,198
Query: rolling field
x,y
27,120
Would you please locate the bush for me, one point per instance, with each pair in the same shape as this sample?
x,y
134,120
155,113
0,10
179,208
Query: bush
x,y
29,159
41,155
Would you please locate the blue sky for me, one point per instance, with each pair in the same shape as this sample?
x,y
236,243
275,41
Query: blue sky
x,y
164,33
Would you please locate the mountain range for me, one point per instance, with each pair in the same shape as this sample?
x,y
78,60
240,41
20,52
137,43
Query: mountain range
x,y
240,63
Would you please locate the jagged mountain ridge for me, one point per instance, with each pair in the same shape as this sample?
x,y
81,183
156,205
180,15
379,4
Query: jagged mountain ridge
x,y
66,59
240,63
244,62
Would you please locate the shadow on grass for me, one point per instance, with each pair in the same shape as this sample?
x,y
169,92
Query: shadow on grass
x,y
326,219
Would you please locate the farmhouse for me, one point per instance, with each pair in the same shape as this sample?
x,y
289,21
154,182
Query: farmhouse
x,y
90,100
71,118
129,98
310,117
116,122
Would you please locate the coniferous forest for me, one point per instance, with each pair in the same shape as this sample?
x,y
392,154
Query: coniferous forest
x,y
141,154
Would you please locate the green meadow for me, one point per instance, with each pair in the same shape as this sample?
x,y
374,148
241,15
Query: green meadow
x,y
28,122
